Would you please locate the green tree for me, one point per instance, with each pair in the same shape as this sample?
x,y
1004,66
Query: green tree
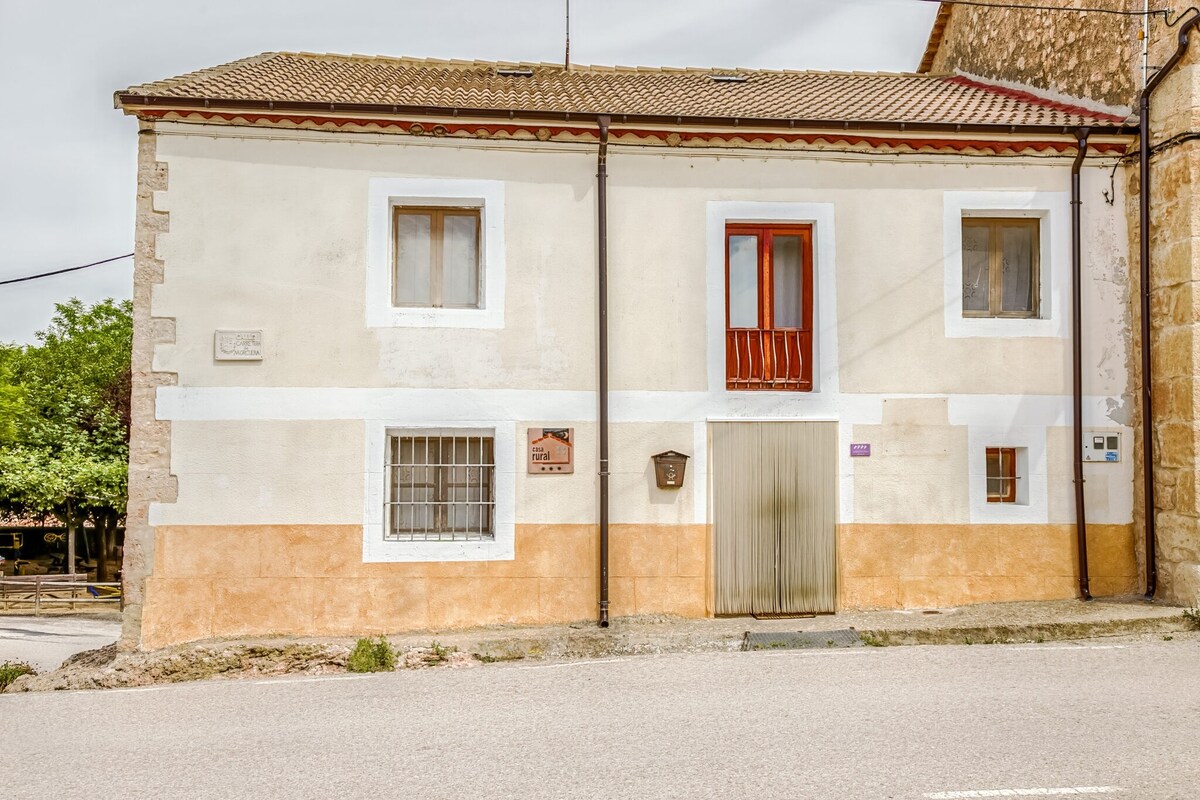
x,y
67,452
11,405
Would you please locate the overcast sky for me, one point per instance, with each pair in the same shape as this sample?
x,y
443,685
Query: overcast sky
x,y
67,158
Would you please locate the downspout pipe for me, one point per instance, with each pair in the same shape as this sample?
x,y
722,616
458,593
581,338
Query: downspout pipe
x,y
1144,277
602,351
1077,358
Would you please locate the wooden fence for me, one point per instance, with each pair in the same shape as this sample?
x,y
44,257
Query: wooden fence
x,y
51,590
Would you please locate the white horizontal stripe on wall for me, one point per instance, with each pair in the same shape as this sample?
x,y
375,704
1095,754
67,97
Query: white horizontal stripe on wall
x,y
199,403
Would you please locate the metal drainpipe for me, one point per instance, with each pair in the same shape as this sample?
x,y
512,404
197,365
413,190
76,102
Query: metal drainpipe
x,y
1144,263
1077,359
602,347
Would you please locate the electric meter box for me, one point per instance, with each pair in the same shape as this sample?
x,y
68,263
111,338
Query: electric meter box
x,y
1102,446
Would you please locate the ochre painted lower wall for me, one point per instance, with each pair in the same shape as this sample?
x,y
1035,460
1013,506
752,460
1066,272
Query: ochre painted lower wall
x,y
217,581
222,581
931,566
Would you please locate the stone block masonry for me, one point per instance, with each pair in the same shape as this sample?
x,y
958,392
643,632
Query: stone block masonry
x,y
150,479
1175,335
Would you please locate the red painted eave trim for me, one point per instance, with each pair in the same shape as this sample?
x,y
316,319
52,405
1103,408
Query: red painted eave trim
x,y
140,104
426,128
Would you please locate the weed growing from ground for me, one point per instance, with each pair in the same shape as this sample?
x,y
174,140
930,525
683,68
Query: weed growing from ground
x,y
1192,615
491,658
372,655
439,654
11,670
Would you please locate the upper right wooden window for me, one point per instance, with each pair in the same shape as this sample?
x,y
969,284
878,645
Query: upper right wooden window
x,y
1000,260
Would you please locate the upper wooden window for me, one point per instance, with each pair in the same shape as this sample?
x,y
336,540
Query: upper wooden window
x,y
768,309
1001,474
436,257
1000,259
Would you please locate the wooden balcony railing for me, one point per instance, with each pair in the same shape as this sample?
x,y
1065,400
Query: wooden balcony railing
x,y
764,360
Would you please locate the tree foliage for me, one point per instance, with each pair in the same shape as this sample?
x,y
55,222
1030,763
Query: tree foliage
x,y
64,421
11,396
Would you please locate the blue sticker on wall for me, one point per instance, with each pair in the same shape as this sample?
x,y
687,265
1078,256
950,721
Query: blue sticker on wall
x,y
1110,456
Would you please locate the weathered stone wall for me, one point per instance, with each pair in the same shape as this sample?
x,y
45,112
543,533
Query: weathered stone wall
x,y
1175,334
150,478
1083,55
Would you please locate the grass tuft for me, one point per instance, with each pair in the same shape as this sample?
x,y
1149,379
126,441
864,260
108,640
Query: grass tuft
x,y
11,670
372,655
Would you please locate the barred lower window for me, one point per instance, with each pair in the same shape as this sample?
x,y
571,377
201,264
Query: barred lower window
x,y
1002,475
440,486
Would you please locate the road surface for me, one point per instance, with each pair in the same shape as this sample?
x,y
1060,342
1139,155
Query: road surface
x,y
1102,720
45,641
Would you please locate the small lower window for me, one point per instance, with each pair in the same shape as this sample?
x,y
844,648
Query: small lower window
x,y
1002,474
440,486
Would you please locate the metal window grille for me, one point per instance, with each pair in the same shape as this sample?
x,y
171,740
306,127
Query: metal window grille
x,y
1002,475
441,488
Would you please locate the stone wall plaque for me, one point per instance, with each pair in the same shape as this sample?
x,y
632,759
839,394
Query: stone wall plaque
x,y
238,346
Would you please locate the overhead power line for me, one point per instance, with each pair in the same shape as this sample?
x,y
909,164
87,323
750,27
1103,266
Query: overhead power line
x,y
1165,13
61,271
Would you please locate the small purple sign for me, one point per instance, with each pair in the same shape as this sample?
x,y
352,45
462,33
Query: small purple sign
x,y
857,450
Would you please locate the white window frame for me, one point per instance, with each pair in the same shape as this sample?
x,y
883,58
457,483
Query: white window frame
x,y
1032,505
720,214
385,194
1052,209
500,548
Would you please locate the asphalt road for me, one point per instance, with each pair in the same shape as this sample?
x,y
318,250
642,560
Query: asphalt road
x,y
1119,721
45,641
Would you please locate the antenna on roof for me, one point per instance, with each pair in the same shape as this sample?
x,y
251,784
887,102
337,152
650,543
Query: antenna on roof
x,y
567,56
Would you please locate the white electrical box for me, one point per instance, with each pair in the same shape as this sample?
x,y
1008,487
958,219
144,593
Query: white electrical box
x,y
1102,446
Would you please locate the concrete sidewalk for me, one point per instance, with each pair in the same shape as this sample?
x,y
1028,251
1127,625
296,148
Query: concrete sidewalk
x,y
975,624
46,641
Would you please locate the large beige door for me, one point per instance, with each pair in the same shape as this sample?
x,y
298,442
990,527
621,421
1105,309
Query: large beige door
x,y
774,511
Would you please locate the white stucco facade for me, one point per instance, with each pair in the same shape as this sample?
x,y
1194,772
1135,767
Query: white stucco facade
x,y
280,231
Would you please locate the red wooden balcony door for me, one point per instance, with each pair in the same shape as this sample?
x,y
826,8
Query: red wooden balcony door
x,y
768,307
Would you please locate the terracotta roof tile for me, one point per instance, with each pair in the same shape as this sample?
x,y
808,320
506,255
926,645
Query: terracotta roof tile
x,y
635,91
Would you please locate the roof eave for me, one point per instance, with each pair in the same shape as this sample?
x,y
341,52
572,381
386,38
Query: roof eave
x,y
130,103
936,34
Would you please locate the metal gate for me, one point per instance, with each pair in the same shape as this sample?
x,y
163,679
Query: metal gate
x,y
774,511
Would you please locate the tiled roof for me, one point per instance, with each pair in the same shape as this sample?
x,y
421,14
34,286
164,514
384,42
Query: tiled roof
x,y
936,33
305,79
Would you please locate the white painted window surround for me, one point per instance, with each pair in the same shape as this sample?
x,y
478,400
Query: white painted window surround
x,y
386,193
1032,504
500,548
825,344
1053,209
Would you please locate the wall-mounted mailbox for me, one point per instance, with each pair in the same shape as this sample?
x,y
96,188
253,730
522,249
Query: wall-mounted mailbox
x,y
669,468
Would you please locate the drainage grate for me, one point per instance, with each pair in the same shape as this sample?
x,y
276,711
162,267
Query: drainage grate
x,y
801,640
781,615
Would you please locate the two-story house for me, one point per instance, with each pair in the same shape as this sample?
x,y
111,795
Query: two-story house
x,y
409,334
